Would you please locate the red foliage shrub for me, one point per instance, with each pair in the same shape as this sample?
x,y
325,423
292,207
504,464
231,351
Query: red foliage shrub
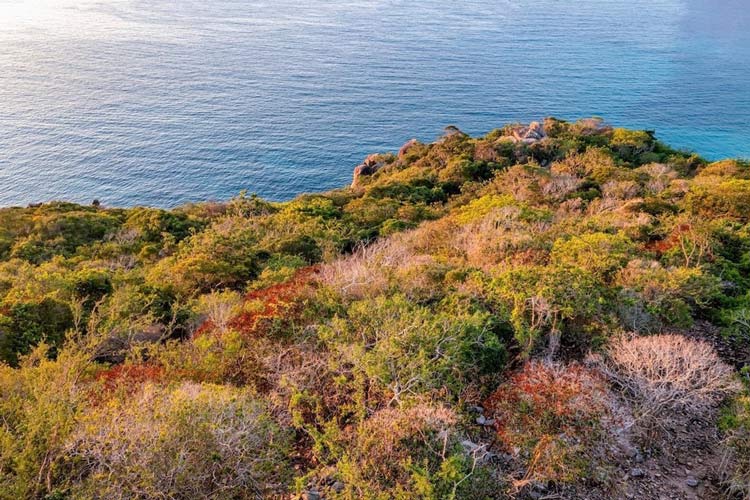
x,y
671,241
551,417
262,307
129,377
281,301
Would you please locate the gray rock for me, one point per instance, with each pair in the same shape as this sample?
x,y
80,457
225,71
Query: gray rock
x,y
637,472
338,487
481,420
311,495
692,482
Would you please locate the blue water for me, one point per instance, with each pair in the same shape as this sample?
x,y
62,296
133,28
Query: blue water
x,y
162,102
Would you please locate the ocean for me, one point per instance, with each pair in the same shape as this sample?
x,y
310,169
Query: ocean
x,y
163,102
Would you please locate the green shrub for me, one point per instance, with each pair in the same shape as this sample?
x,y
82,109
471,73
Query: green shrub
x,y
727,198
599,253
543,301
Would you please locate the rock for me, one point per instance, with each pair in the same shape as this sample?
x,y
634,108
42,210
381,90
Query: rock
x,y
637,472
367,167
481,420
371,160
470,446
692,482
529,135
405,148
338,487
311,495
476,409
489,422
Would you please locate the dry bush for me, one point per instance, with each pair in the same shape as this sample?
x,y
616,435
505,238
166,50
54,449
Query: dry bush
x,y
660,176
621,189
192,441
559,186
498,236
365,273
666,377
220,307
396,262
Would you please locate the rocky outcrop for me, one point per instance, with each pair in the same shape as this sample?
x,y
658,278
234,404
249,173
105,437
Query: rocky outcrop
x,y
406,148
368,167
528,135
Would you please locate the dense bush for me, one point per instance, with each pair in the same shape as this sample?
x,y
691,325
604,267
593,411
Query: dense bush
x,y
735,423
412,453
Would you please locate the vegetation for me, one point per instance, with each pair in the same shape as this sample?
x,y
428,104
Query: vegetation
x,y
338,345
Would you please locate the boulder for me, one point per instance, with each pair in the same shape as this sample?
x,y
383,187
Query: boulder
x,y
637,472
405,148
367,167
529,135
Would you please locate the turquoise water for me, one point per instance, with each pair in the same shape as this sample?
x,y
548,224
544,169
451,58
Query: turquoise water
x,y
164,102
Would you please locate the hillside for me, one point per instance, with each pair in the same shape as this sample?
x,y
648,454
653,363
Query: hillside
x,y
559,310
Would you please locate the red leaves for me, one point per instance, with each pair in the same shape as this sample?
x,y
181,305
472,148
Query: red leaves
x,y
545,399
129,377
276,302
672,240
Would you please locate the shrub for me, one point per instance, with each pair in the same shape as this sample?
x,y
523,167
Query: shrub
x,y
726,198
190,441
543,300
553,419
666,376
224,255
631,144
401,350
369,271
414,452
39,404
481,207
652,295
599,253
735,423
691,241
738,322
150,224
220,308
26,324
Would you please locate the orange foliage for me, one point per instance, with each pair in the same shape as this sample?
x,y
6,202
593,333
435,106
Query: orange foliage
x,y
129,377
546,399
671,241
280,301
552,417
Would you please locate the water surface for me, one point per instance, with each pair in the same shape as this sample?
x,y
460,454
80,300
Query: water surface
x,y
164,102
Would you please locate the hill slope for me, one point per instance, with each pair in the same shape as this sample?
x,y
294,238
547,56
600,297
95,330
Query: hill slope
x,y
534,312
